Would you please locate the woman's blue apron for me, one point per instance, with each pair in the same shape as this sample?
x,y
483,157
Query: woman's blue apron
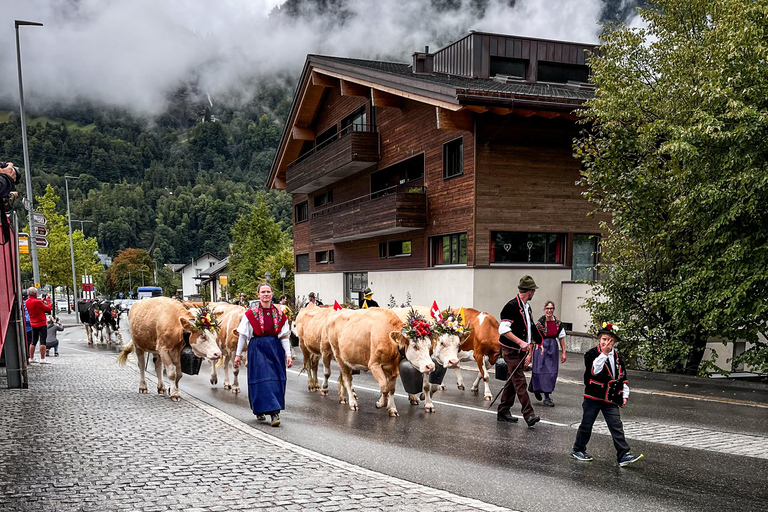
x,y
266,374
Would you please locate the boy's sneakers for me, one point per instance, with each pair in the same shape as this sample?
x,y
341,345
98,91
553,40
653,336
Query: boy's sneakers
x,y
629,459
45,361
582,456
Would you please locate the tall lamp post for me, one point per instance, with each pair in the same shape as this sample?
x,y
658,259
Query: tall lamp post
x,y
27,172
71,245
267,275
283,273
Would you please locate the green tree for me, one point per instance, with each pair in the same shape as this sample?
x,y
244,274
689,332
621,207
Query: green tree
x,y
272,264
128,269
676,153
256,237
54,261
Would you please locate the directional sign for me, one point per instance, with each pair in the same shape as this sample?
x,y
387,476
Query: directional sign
x,y
39,230
41,241
39,219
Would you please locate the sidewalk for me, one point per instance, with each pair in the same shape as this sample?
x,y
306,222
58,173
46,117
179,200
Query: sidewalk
x,y
82,438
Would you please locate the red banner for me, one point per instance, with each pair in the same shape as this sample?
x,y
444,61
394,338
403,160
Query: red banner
x,y
7,272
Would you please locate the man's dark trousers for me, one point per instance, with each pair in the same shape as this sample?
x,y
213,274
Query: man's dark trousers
x,y
612,419
513,358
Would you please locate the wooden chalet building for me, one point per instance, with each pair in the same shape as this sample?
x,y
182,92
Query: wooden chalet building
x,y
448,178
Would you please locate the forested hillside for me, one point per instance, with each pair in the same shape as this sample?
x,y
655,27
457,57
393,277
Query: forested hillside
x,y
173,184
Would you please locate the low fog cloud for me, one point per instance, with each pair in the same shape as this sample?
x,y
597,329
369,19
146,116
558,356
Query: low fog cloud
x,y
131,53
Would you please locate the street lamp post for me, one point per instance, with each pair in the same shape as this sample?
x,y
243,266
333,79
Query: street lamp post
x,y
267,275
27,172
283,273
71,245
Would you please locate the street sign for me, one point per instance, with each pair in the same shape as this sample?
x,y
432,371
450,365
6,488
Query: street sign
x,y
23,243
41,241
39,219
39,230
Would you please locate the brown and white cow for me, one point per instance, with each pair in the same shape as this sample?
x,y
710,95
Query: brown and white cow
x,y
334,324
482,345
445,351
229,317
158,326
372,341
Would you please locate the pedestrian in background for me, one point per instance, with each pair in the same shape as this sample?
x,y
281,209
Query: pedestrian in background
x,y
606,390
265,329
366,300
52,340
516,333
545,356
37,311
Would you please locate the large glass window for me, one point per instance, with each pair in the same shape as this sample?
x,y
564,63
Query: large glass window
x,y
301,212
302,263
531,248
354,284
453,158
357,120
397,248
323,199
449,249
585,254
400,173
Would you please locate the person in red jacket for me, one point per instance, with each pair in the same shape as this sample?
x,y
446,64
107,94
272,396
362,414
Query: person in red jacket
x,y
37,310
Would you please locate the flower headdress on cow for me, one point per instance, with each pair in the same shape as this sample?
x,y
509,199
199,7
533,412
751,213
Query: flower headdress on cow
x,y
206,319
450,323
416,326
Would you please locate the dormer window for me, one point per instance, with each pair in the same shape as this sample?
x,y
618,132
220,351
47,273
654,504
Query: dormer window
x,y
517,68
562,73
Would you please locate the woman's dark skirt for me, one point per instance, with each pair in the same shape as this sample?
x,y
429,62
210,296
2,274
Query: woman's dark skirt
x,y
266,375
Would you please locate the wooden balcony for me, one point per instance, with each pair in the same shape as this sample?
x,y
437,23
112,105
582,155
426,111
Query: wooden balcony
x,y
387,212
353,149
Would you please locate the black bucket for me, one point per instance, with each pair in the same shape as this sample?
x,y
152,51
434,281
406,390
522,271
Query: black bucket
x,y
412,379
294,340
190,363
501,369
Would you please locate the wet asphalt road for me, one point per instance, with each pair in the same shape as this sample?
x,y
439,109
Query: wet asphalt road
x,y
463,449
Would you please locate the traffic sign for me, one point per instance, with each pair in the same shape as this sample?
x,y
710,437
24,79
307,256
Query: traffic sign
x,y
39,230
41,241
39,219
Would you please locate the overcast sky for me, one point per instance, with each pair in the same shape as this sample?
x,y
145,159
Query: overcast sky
x,y
131,52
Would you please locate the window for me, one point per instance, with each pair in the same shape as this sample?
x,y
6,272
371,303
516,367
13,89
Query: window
x,y
400,173
324,256
449,249
323,199
327,135
357,120
453,158
532,248
302,263
354,284
585,254
395,249
509,67
562,73
301,212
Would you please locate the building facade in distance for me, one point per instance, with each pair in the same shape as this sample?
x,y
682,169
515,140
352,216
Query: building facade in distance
x,y
447,178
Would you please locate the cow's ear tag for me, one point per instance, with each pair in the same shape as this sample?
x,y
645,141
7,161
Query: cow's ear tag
x,y
398,338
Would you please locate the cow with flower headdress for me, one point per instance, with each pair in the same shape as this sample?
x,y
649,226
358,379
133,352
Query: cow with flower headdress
x,y
377,340
162,326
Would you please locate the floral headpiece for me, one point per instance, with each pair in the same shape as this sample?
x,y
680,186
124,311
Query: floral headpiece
x,y
206,319
450,323
609,328
416,326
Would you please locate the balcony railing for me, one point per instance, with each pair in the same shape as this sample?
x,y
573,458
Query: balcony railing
x,y
393,210
347,152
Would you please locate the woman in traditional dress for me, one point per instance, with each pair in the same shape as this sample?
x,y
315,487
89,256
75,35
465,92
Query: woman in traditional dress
x,y
545,356
265,330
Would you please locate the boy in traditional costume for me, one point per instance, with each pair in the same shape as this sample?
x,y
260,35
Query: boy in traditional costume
x,y
265,329
606,390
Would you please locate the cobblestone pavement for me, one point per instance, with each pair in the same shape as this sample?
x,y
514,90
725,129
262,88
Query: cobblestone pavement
x,y
82,439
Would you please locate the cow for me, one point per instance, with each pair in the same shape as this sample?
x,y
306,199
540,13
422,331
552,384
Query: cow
x,y
482,345
89,315
158,326
372,340
308,326
333,326
445,352
108,322
229,318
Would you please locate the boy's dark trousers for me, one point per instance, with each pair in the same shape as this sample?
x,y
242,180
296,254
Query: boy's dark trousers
x,y
612,419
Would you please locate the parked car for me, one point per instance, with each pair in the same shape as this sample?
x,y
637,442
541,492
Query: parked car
x,y
61,305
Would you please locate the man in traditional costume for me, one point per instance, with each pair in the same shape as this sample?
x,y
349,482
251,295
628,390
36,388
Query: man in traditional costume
x,y
265,329
367,300
516,332
606,390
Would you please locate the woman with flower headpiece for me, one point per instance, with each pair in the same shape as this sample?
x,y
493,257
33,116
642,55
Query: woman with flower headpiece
x,y
545,356
265,329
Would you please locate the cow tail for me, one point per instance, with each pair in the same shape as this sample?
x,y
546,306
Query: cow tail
x,y
123,357
220,363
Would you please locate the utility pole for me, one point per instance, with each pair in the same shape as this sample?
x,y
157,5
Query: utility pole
x,y
71,245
